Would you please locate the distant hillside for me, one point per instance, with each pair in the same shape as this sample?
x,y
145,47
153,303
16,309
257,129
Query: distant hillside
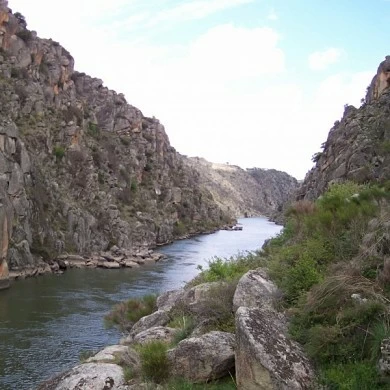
x,y
245,192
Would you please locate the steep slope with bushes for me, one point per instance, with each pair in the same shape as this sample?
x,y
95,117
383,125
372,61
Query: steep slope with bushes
x,y
332,259
332,264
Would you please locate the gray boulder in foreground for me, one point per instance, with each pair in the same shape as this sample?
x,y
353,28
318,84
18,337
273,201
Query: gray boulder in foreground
x,y
158,318
156,333
265,358
254,289
204,358
89,376
167,300
116,354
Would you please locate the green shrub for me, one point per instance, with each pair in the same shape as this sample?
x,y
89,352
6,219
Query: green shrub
x,y
128,373
184,323
379,332
351,376
179,229
220,269
25,35
154,361
134,185
125,314
59,152
331,284
300,277
93,130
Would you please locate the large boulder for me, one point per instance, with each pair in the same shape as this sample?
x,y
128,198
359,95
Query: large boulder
x,y
265,358
160,333
204,358
89,376
109,354
167,300
158,318
195,298
254,289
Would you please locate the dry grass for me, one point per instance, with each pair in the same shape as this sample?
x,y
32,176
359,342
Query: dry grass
x,y
335,290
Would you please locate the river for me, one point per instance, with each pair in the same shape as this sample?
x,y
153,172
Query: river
x,y
46,322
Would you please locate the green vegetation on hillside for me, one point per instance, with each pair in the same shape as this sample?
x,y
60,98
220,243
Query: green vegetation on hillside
x,y
331,265
329,261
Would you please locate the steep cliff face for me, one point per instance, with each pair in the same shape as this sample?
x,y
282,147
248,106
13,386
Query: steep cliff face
x,y
80,169
245,192
358,146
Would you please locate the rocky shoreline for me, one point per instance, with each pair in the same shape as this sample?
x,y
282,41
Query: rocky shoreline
x,y
258,349
114,259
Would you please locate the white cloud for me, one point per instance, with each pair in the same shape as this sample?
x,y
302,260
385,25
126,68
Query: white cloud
x,y
272,15
226,94
196,9
321,60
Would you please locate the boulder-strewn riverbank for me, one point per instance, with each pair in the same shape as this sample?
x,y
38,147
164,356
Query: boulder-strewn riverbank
x,y
199,334
114,259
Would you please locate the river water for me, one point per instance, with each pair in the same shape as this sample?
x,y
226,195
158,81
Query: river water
x,y
46,322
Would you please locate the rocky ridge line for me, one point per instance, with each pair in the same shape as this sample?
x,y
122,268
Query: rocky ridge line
x,y
358,145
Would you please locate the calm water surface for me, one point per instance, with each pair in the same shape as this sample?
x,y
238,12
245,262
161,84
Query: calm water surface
x,y
46,322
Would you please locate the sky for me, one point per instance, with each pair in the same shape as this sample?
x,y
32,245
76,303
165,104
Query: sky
x,y
254,83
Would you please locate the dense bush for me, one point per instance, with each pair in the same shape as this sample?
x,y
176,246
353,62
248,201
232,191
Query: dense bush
x,y
59,152
154,361
220,269
125,314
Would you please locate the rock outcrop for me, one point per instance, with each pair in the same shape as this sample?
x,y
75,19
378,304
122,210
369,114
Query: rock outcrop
x,y
260,352
358,145
97,376
255,289
247,192
81,170
265,358
205,358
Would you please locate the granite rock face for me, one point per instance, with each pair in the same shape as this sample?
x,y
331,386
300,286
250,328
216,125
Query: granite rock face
x,y
254,289
357,147
96,376
82,170
265,358
204,358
